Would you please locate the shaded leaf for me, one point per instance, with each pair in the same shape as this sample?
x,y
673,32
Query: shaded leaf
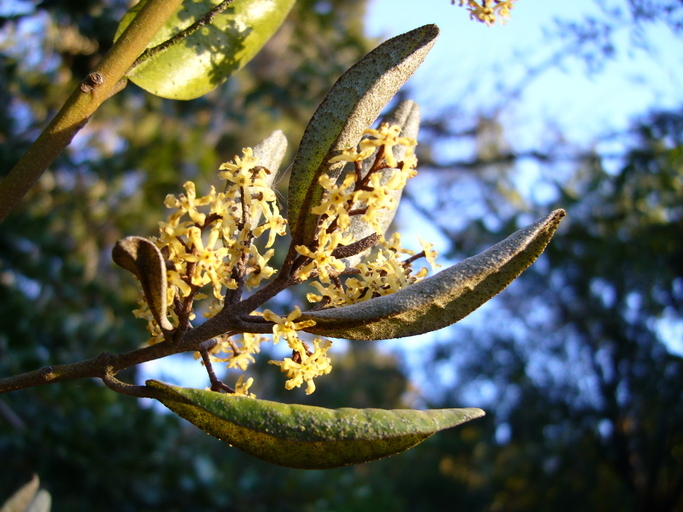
x,y
206,58
443,299
306,437
141,257
351,106
270,152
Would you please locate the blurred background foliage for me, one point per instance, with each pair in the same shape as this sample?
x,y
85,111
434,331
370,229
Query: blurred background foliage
x,y
575,362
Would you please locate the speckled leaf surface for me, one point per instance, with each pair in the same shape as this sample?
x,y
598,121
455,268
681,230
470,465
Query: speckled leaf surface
x,y
443,299
141,257
351,106
210,55
306,437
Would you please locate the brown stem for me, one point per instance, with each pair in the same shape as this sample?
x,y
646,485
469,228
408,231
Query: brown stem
x,y
413,258
346,251
100,366
216,384
127,389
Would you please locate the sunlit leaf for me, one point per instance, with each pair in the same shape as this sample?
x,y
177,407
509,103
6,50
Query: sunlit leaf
x,y
351,106
306,437
141,257
443,299
206,58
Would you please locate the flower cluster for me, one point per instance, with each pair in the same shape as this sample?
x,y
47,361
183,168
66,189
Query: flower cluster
x,y
304,365
381,274
487,10
363,195
208,245
208,241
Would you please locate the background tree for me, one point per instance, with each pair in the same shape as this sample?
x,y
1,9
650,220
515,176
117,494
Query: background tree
x,y
586,417
582,364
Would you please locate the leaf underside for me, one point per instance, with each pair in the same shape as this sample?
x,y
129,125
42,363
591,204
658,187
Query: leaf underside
x,y
306,437
443,299
141,257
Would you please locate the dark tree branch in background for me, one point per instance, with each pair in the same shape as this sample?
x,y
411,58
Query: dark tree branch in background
x,y
512,158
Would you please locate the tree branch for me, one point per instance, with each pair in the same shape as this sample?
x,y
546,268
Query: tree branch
x,y
99,85
204,20
104,365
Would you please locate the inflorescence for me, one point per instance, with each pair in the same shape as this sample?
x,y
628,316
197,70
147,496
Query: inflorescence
x,y
209,245
487,10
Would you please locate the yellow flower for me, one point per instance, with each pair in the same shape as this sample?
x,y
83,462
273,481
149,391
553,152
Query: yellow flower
x,y
187,203
322,262
387,136
234,171
258,268
337,200
486,13
376,197
286,327
307,366
237,351
350,155
241,361
242,388
274,222
337,296
430,253
209,261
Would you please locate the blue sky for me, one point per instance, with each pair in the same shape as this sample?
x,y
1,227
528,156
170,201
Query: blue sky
x,y
469,59
471,64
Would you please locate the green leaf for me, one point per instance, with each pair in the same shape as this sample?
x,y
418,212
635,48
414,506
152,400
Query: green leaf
x,y
141,257
207,57
306,437
443,299
351,106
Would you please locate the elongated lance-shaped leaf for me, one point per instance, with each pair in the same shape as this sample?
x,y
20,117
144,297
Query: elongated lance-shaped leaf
x,y
22,498
269,154
141,257
351,106
42,502
407,116
306,437
208,56
443,299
